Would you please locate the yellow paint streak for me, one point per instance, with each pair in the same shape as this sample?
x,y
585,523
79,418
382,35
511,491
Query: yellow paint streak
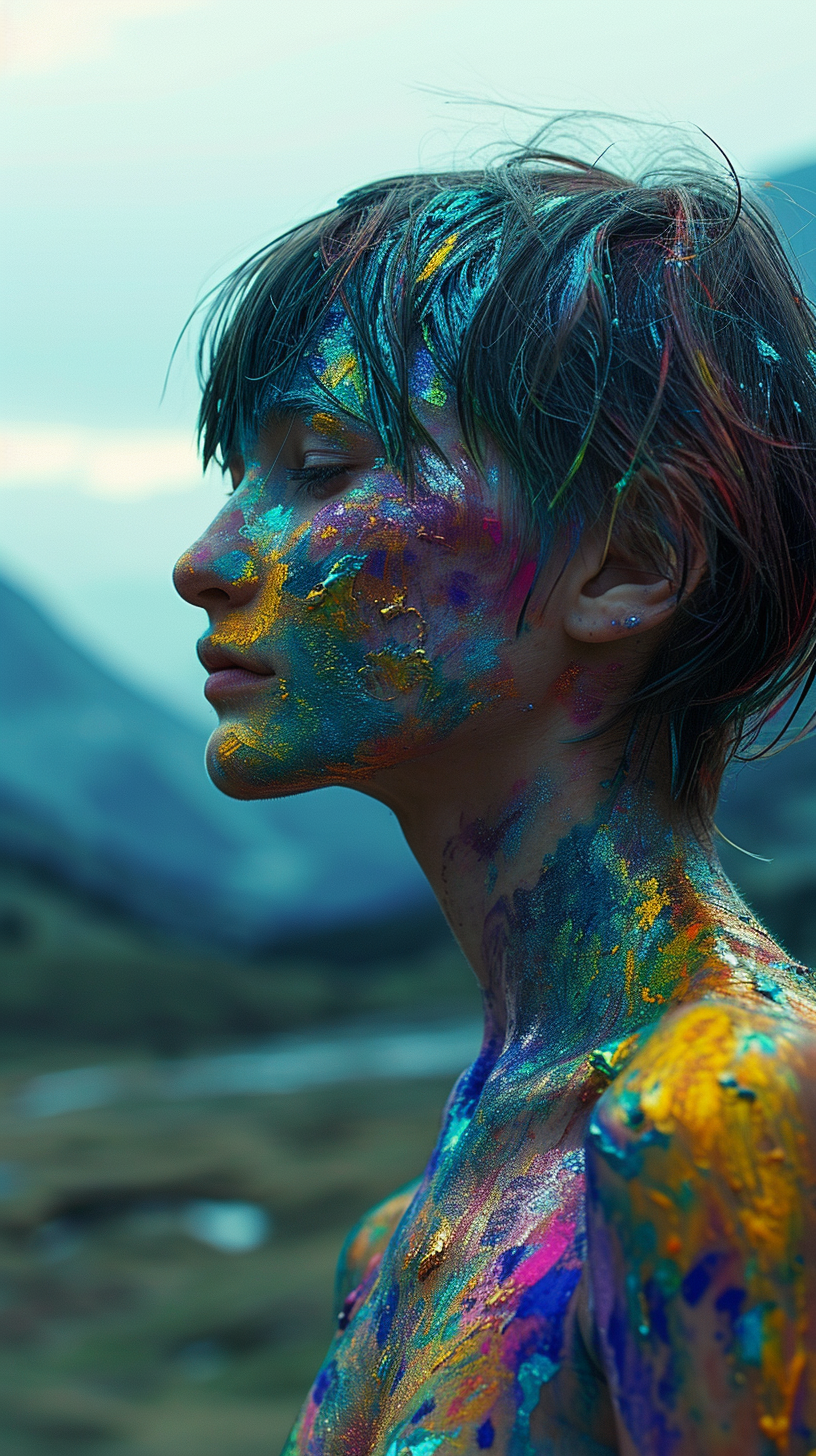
x,y
243,629
437,258
329,425
629,979
398,609
345,366
647,913
437,394
705,374
612,1059
652,1000
373,1233
243,736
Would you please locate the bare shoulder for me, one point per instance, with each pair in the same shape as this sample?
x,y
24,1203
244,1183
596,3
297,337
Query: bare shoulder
x,y
367,1241
702,1212
740,1057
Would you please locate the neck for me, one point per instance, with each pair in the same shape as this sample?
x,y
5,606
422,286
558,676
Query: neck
x,y
583,914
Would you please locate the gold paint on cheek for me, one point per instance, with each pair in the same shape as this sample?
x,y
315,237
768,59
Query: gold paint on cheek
x,y
336,597
244,629
425,535
399,609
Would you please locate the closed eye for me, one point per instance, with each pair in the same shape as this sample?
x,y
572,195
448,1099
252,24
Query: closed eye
x,y
315,478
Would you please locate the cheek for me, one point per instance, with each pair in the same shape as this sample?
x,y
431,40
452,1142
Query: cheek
x,y
392,602
423,575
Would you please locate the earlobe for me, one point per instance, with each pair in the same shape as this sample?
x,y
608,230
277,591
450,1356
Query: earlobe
x,y
624,610
613,593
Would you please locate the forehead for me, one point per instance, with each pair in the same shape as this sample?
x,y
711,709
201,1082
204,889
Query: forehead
x,y
332,373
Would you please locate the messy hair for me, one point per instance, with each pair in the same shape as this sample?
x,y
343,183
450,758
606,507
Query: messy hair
x,y
643,357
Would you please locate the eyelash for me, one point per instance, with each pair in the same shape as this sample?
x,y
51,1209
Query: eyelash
x,y
314,476
311,478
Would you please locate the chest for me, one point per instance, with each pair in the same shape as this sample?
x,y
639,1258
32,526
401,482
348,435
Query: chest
x,y
468,1329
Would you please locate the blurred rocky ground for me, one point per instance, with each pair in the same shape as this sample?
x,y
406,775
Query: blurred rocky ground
x,y
166,1268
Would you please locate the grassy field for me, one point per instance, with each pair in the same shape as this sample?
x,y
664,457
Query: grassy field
x,y
73,971
121,1333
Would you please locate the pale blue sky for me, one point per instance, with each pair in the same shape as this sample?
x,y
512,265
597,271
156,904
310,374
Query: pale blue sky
x,y
145,144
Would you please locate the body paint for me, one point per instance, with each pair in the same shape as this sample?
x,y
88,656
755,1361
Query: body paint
x,y
628,974
628,1031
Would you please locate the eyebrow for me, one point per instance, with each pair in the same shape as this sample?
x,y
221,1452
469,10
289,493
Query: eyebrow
x,y
288,402
292,402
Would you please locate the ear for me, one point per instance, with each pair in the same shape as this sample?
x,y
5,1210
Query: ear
x,y
612,595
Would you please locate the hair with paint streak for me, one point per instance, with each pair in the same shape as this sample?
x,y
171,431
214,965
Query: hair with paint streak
x,y
638,350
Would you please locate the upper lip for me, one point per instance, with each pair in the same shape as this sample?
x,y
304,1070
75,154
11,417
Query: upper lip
x,y
218,659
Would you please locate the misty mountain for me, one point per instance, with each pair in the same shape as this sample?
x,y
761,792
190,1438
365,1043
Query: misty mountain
x,y
108,790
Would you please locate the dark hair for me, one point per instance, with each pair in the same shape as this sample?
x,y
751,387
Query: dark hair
x,y
639,351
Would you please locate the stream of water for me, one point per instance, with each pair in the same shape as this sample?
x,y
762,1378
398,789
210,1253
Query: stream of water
x,y
288,1064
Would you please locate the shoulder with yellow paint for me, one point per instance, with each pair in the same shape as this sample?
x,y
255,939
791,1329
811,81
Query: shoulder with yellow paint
x,y
368,1239
701,1162
710,1062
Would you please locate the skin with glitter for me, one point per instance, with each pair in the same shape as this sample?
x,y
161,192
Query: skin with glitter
x,y
611,1247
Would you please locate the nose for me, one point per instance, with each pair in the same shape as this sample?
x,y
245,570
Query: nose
x,y
216,578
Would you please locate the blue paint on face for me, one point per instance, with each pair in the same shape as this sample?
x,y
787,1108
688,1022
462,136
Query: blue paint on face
x,y
460,590
485,1435
375,564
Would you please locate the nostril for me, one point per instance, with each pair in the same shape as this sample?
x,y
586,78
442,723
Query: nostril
x,y
213,596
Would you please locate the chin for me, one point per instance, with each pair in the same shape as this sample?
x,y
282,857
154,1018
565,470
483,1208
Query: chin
x,y
243,766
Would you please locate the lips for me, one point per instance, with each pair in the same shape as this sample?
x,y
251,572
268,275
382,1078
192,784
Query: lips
x,y
229,675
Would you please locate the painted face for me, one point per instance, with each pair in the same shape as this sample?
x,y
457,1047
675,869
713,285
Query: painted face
x,y
354,622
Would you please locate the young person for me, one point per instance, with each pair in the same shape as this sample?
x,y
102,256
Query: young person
x,y
522,543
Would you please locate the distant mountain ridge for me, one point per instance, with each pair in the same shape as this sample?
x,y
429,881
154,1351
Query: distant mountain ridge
x,y
109,791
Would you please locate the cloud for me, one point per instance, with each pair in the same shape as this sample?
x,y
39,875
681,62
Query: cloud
x,y
123,464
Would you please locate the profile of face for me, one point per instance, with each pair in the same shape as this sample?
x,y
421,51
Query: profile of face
x,y
355,622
